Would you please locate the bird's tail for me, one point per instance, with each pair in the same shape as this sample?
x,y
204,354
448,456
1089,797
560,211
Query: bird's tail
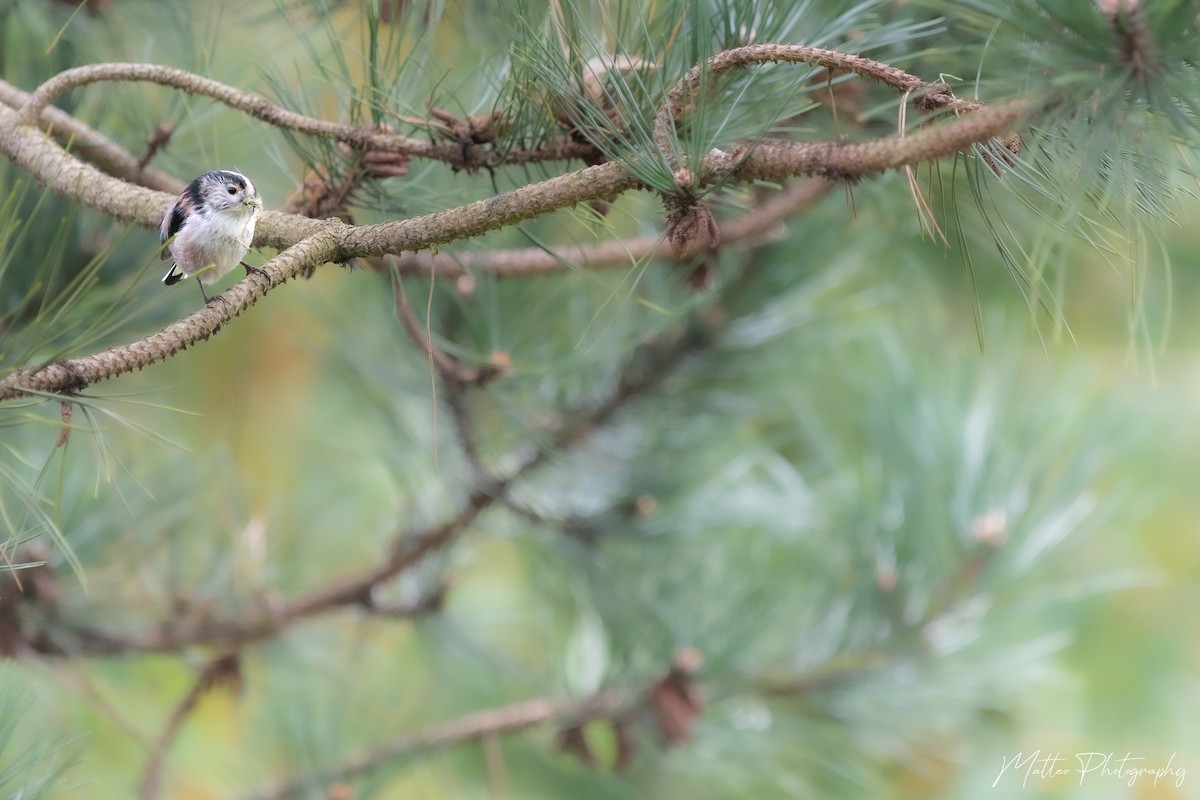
x,y
174,275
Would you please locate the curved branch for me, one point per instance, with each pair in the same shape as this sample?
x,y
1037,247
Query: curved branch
x,y
312,242
330,240
151,786
93,146
76,373
259,107
929,96
760,223
505,719
255,105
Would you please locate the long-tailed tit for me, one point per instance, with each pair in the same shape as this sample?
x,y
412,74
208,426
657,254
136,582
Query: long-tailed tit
x,y
210,227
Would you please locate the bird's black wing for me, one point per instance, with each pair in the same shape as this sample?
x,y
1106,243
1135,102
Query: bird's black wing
x,y
188,202
170,227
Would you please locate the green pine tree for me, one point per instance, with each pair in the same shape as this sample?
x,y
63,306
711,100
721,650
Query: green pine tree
x,y
717,398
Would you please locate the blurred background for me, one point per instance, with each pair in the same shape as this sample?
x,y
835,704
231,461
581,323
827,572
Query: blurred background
x,y
900,503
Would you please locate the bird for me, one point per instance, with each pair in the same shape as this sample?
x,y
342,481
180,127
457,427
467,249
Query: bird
x,y
209,228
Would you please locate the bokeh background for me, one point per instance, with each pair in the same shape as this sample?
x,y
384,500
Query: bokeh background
x,y
817,475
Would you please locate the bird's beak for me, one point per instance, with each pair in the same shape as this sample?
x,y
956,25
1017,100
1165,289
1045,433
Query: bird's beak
x,y
255,202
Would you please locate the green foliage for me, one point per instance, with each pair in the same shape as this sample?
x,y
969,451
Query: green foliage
x,y
605,72
883,541
27,770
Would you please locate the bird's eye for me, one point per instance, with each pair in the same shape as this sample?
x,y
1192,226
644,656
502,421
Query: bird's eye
x,y
231,189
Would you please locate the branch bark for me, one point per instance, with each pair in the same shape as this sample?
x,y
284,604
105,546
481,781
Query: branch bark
x,y
505,719
257,106
648,368
757,225
91,145
74,374
151,787
307,243
928,96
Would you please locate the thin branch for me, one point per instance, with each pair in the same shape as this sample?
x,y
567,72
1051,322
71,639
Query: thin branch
x,y
93,146
761,222
649,366
447,366
243,628
456,398
456,401
257,106
456,380
151,786
311,242
492,722
929,96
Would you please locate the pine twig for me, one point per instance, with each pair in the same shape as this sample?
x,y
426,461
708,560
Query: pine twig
x,y
311,242
93,146
257,106
651,364
492,722
750,229
929,96
215,670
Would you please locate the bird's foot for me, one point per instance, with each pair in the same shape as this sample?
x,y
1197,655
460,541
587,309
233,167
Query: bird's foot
x,y
256,270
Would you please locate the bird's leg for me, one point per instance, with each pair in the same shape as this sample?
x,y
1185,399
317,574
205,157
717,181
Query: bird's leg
x,y
208,300
250,269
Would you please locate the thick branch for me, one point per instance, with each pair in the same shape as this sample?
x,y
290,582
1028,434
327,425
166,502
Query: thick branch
x,y
753,227
76,373
324,240
769,160
775,160
93,146
66,175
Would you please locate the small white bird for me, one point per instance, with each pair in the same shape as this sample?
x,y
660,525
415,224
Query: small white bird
x,y
210,227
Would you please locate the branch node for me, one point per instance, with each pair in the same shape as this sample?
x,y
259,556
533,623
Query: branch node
x,y
691,227
158,140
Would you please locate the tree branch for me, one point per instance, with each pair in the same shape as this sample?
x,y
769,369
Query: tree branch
x,y
214,670
457,154
309,242
929,96
505,719
93,146
74,374
651,364
751,228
